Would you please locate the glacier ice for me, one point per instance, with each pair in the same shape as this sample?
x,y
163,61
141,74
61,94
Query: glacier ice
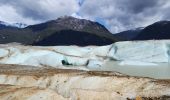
x,y
94,64
139,63
127,53
145,51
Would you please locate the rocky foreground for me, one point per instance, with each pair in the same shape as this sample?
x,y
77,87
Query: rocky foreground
x,y
31,83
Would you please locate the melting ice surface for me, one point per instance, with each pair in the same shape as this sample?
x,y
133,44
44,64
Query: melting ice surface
x,y
161,71
135,58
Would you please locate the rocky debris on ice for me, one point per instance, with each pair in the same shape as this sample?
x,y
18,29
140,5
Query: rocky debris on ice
x,y
32,83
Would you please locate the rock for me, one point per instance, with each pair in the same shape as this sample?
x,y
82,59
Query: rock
x,y
26,82
9,92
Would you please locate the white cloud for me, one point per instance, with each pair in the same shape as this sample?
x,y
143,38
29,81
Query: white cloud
x,y
33,11
10,15
121,15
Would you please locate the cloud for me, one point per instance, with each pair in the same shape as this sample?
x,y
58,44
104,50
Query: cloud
x,y
38,10
117,15
10,15
126,14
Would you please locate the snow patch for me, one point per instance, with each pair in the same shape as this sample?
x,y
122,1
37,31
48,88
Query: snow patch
x,y
18,25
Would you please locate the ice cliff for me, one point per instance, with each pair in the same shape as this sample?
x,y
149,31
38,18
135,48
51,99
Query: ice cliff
x,y
127,53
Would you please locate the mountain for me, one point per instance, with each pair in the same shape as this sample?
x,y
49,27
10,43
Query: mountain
x,y
4,25
12,33
19,25
62,31
72,31
14,25
129,34
157,31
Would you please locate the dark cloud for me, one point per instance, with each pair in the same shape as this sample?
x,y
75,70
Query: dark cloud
x,y
138,6
125,14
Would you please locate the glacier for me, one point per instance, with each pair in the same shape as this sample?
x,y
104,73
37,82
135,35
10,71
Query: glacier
x,y
127,53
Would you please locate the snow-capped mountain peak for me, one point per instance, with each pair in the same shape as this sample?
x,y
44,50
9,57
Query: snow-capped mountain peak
x,y
18,25
4,23
139,28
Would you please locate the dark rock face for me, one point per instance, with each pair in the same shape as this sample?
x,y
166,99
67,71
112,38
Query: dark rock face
x,y
70,37
62,31
129,34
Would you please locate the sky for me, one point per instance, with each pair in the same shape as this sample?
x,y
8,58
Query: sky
x,y
116,15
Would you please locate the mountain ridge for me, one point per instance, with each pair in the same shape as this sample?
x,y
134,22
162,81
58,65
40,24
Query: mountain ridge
x,y
156,31
33,34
